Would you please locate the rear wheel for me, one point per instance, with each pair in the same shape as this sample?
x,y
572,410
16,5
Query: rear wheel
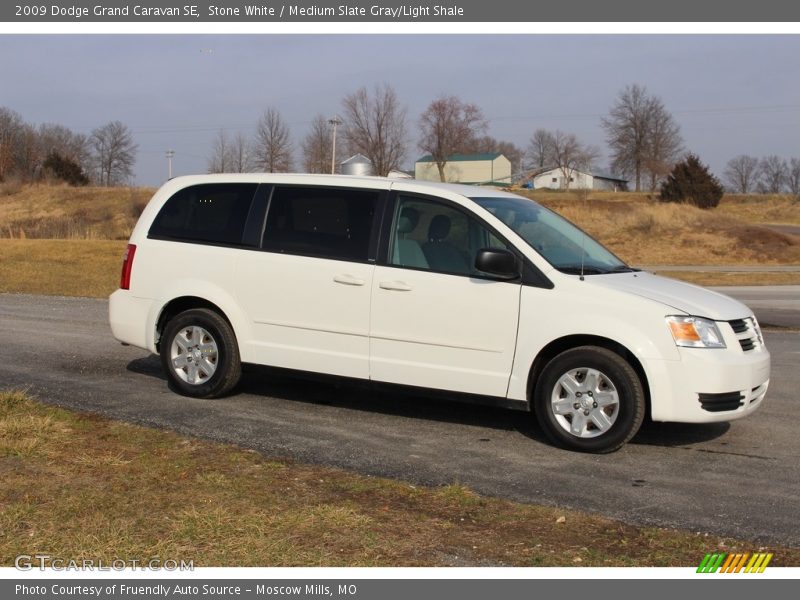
x,y
589,399
200,354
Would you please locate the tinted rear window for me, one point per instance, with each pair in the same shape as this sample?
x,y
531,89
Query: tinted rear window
x,y
215,213
330,223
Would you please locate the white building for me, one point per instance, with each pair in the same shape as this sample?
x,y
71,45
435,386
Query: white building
x,y
467,168
555,179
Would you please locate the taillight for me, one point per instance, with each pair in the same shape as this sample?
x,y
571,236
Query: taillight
x,y
127,265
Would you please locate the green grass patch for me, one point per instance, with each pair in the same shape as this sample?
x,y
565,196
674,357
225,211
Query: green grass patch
x,y
81,486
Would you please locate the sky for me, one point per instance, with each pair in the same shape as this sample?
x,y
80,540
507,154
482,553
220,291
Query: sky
x,y
730,94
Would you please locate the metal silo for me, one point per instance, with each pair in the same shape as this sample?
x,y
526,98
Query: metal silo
x,y
356,165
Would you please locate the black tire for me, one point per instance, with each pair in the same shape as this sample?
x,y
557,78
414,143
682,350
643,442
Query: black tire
x,y
616,379
221,369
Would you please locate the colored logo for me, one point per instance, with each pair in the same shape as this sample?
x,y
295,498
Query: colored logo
x,y
735,563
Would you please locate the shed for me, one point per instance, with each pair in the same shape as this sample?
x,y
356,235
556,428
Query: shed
x,y
467,168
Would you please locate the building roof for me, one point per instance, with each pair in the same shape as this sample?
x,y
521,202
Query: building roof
x,y
463,157
357,159
543,170
610,177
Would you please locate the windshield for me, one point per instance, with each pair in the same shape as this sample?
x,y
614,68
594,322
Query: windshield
x,y
560,242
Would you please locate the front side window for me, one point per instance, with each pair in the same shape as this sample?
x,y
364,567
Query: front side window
x,y
560,242
213,213
329,223
436,237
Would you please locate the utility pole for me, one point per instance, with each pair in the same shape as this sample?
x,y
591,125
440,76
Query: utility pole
x,y
170,154
335,121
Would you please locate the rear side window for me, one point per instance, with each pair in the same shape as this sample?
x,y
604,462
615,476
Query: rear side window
x,y
329,223
213,213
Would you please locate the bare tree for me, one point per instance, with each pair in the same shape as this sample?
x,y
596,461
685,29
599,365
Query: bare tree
x,y
28,156
663,145
772,174
11,127
642,135
375,126
793,177
512,152
241,158
317,146
24,148
741,173
571,155
220,159
540,149
448,126
54,138
272,148
230,154
113,153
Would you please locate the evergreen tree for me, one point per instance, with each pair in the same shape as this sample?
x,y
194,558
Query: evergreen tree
x,y
65,169
691,181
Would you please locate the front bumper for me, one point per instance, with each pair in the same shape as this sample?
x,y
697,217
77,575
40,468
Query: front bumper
x,y
709,385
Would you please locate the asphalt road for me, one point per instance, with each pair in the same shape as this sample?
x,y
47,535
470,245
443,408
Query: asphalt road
x,y
740,479
773,305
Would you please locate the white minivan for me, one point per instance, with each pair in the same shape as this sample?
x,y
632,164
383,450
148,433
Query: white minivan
x,y
449,287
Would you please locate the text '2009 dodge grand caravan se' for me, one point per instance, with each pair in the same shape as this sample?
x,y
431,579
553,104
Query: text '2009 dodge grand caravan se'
x,y
439,286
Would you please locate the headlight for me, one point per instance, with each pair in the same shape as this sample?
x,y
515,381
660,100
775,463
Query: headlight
x,y
695,332
757,329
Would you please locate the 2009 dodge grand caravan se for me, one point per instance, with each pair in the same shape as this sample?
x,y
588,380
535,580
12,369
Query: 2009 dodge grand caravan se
x,y
434,285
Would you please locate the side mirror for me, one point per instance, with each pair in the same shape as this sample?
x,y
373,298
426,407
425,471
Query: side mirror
x,y
497,262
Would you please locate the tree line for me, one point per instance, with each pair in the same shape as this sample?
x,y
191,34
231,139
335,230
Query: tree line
x,y
28,153
768,175
373,123
643,137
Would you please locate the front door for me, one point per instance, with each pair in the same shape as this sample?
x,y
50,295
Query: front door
x,y
436,321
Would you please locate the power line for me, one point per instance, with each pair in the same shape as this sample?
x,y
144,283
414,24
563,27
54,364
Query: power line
x,y
203,128
542,116
684,111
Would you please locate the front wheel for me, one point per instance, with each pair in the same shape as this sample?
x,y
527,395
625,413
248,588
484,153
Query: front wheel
x,y
200,354
589,399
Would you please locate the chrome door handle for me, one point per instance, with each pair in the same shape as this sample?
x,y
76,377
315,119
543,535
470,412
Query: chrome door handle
x,y
396,286
348,279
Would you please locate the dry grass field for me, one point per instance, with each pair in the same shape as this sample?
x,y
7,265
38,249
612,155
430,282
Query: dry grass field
x,y
776,210
644,231
63,212
91,224
60,267
81,486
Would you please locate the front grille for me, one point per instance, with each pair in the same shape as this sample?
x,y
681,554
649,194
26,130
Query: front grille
x,y
738,326
747,344
721,402
747,333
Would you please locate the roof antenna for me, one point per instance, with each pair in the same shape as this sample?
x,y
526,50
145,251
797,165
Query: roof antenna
x,y
583,253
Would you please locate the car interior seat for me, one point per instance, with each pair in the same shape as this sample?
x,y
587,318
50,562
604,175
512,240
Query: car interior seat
x,y
407,251
442,255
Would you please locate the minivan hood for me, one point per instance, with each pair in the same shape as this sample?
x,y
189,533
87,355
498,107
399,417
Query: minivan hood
x,y
685,297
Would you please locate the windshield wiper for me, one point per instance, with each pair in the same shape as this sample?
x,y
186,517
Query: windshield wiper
x,y
581,270
623,269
